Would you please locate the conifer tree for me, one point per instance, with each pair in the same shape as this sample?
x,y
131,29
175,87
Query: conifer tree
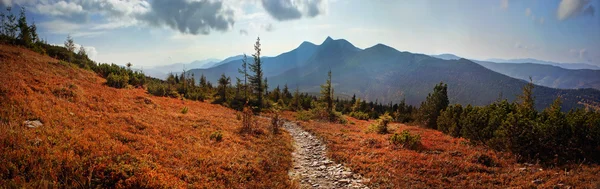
x,y
69,44
244,72
327,93
222,88
256,80
431,107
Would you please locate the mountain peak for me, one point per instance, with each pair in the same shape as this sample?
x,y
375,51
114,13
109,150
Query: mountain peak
x,y
306,43
328,39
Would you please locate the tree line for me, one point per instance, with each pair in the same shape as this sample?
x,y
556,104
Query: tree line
x,y
551,136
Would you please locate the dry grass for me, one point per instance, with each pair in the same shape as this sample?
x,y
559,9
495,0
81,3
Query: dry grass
x,y
97,136
441,162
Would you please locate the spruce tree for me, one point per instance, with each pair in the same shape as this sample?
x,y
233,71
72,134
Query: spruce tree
x,y
244,72
24,37
69,44
327,93
256,80
276,94
431,107
286,94
222,89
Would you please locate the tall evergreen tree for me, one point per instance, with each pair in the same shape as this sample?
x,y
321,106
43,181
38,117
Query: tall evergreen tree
x,y
256,80
222,89
244,72
203,82
327,93
286,93
69,44
431,107
276,94
266,82
24,37
9,24
296,100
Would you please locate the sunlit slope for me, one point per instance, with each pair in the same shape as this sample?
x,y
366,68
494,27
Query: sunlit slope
x,y
97,136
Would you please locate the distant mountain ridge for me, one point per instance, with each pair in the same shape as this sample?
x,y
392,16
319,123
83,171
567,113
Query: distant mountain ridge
x,y
535,61
383,74
447,57
548,75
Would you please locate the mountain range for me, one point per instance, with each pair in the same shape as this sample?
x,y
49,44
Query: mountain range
x,y
535,61
384,74
549,74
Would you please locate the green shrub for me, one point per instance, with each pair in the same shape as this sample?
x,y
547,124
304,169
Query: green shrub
x,y
339,117
381,126
117,81
304,115
184,110
216,136
158,89
359,115
406,140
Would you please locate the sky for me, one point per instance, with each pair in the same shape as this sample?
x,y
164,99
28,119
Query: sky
x,y
148,33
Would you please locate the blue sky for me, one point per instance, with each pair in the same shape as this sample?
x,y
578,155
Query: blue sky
x,y
156,32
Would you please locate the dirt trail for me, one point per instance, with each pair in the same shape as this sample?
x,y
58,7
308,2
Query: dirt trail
x,y
311,166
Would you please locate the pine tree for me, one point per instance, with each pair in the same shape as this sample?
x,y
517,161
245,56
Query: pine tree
x,y
69,44
256,80
10,24
266,82
296,100
203,82
526,106
222,89
244,72
276,94
327,93
431,107
286,94
82,52
24,30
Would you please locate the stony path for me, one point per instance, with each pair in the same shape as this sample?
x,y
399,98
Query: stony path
x,y
311,166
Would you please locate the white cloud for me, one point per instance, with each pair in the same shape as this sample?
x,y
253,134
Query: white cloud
x,y
186,16
528,12
282,10
60,8
571,8
75,30
90,51
541,20
504,4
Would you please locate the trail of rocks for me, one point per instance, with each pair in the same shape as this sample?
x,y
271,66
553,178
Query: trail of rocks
x,y
311,166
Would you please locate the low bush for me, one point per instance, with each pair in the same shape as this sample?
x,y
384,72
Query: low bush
x,y
406,140
158,89
216,136
359,115
117,80
380,126
184,110
304,115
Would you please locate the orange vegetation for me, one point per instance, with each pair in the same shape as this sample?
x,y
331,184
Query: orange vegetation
x,y
97,136
442,161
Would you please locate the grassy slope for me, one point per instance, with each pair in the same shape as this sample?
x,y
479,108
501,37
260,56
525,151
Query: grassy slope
x,y
94,135
444,162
